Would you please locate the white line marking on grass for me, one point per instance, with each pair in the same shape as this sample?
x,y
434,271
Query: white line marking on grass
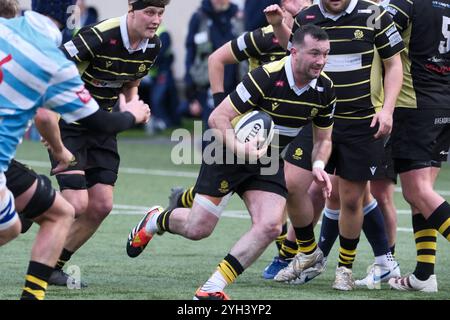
x,y
120,209
167,173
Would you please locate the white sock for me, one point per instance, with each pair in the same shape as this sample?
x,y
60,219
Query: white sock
x,y
215,283
386,260
151,226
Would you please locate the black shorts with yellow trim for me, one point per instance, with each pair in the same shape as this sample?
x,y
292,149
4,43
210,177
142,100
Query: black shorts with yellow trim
x,y
217,180
356,155
299,151
421,134
95,153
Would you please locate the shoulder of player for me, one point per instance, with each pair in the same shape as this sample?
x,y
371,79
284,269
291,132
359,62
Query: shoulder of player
x,y
274,67
312,10
108,24
325,81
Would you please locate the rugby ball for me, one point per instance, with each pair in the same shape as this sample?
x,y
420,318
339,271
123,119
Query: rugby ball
x,y
253,125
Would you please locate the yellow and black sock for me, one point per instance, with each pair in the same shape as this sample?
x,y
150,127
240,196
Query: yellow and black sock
x,y
36,281
425,236
288,250
305,239
163,221
440,220
347,251
63,258
187,198
282,236
230,268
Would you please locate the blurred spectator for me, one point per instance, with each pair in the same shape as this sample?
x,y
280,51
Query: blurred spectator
x,y
212,25
161,89
88,15
254,16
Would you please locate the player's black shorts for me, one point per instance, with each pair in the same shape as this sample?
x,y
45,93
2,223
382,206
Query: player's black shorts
x,y
217,180
299,151
356,155
388,162
19,178
421,135
94,152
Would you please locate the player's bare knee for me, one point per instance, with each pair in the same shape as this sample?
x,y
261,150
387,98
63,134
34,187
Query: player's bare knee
x,y
271,230
99,209
198,232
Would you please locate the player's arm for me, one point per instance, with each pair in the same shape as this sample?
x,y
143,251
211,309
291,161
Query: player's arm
x,y
130,89
393,80
320,155
133,112
274,16
389,44
47,124
216,70
322,144
220,122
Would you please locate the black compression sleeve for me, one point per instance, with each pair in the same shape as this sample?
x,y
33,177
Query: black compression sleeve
x,y
108,122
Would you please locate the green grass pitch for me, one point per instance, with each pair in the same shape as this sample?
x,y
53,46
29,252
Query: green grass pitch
x,y
172,267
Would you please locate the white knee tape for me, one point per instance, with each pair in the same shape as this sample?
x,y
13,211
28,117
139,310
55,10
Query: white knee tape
x,y
206,204
8,214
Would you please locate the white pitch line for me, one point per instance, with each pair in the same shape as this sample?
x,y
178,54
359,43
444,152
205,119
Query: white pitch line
x,y
120,209
168,173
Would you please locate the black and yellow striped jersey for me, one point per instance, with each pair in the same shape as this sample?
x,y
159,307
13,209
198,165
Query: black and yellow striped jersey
x,y
106,62
362,34
259,47
271,88
425,27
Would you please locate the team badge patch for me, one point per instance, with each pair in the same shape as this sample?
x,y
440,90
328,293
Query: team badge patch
x,y
84,95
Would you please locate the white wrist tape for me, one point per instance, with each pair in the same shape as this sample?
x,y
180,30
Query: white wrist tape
x,y
319,164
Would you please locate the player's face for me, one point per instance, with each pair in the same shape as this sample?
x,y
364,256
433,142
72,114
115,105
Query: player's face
x,y
310,58
220,5
335,6
147,21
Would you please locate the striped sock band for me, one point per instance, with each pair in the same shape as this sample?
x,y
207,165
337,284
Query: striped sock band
x,y
36,281
187,198
305,239
63,258
347,251
440,220
425,236
163,221
230,268
288,249
283,235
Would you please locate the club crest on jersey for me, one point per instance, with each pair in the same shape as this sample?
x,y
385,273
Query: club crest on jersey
x,y
84,95
314,113
142,68
298,154
358,34
224,187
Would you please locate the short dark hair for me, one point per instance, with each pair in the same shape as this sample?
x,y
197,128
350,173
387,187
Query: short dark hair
x,y
314,31
142,4
9,8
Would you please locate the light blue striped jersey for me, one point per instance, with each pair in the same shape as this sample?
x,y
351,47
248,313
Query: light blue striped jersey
x,y
35,73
